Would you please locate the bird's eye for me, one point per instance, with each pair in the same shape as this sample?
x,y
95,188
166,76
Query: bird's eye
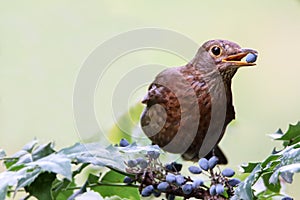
x,y
216,50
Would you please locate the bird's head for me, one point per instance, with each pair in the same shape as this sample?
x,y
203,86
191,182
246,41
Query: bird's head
x,y
224,55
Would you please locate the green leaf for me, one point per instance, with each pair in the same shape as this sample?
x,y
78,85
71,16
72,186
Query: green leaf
x,y
286,171
7,179
56,163
28,176
60,189
292,136
9,162
249,167
269,160
134,149
93,178
29,146
42,151
244,189
271,186
95,154
91,195
123,191
41,187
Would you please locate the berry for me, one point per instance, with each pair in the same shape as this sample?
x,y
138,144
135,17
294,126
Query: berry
x,y
153,154
219,189
142,163
233,182
171,197
287,198
187,188
139,160
123,143
174,167
156,193
132,163
163,186
212,162
195,170
197,183
203,163
212,190
251,58
147,191
170,178
127,180
228,172
179,180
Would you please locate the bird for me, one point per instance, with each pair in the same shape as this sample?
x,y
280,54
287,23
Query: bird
x,y
188,108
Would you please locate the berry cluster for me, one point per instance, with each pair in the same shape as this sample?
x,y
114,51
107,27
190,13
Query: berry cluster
x,y
156,178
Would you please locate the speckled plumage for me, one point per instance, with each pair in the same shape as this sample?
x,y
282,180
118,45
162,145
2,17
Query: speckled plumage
x,y
181,98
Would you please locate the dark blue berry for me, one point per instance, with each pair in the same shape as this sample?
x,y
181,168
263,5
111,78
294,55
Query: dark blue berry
x,y
163,186
139,160
197,183
143,163
173,167
219,189
187,188
147,191
156,193
171,197
251,58
212,162
212,190
180,180
228,172
203,163
127,180
170,178
233,182
195,170
132,163
153,154
287,198
123,143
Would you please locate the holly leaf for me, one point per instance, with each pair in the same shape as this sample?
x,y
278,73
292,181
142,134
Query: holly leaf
x,y
135,149
249,167
56,163
43,151
288,165
41,186
244,189
30,145
123,191
7,179
274,187
292,136
59,189
95,154
27,176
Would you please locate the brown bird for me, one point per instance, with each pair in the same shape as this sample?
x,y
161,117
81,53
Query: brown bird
x,y
188,107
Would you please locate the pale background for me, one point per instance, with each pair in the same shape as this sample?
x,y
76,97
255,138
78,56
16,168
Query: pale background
x,y
43,45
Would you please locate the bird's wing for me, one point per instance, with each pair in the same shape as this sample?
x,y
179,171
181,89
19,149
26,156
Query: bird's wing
x,y
161,117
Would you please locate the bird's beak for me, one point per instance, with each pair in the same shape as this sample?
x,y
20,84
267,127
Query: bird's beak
x,y
236,59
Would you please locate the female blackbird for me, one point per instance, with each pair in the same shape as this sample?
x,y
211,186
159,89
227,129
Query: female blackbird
x,y
188,107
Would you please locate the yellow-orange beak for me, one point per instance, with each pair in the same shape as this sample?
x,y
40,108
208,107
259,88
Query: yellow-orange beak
x,y
236,59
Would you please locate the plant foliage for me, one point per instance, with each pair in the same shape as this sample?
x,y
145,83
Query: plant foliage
x,y
46,173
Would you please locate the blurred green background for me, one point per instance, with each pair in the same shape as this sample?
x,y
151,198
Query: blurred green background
x,y
44,43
